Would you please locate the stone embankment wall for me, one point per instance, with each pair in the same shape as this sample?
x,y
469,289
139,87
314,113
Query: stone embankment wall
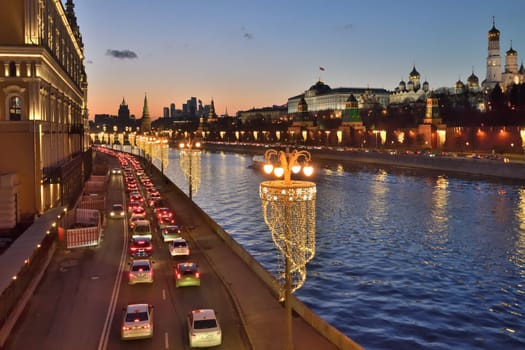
x,y
513,170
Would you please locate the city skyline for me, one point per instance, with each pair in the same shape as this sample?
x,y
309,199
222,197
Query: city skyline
x,y
258,54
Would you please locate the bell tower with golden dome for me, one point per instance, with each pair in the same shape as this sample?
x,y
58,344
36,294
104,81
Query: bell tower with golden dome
x,y
493,58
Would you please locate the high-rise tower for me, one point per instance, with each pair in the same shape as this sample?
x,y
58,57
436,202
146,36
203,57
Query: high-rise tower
x,y
493,58
145,125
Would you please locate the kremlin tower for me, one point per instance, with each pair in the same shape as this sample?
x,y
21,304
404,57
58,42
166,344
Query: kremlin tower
x,y
145,125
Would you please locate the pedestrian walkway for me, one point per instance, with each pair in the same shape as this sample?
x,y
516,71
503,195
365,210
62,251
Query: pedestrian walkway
x,y
262,314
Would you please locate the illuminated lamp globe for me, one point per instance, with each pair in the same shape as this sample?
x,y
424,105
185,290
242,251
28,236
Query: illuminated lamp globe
x,y
268,168
181,145
197,144
308,170
279,171
296,168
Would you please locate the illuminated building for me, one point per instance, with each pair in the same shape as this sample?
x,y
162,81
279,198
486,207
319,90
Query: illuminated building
x,y
44,147
320,97
510,75
412,91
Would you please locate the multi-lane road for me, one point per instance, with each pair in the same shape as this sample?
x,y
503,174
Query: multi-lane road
x,y
78,305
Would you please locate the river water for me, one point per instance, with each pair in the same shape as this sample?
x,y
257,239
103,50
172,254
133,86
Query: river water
x,y
405,259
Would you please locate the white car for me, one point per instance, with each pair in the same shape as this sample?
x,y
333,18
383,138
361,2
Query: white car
x,y
116,171
142,228
179,247
137,322
117,212
171,232
203,328
140,271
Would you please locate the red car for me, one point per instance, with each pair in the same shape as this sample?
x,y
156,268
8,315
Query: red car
x,y
140,247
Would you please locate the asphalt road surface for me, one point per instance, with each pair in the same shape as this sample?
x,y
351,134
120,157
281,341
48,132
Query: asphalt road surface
x,y
78,305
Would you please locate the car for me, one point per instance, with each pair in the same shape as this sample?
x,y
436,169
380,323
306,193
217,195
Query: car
x,y
137,322
187,274
171,232
134,219
140,247
160,211
136,197
142,229
179,247
117,211
165,220
138,210
140,271
204,329
116,171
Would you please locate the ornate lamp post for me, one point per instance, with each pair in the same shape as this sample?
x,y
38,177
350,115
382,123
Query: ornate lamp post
x,y
190,153
289,211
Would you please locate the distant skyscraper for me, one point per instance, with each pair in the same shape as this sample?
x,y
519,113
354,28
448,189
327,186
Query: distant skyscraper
x,y
145,125
172,110
166,112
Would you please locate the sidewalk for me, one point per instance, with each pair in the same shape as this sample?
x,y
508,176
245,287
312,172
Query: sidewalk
x,y
262,314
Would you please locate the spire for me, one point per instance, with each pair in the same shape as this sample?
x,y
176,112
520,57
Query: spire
x,y
145,109
145,124
123,101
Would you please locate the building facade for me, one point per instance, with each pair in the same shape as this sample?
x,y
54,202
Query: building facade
x,y
320,97
496,75
44,147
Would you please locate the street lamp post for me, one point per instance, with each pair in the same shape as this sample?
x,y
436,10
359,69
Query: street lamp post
x,y
289,212
189,150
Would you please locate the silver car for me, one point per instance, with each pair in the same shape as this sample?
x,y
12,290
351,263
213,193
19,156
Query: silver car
x,y
137,322
140,271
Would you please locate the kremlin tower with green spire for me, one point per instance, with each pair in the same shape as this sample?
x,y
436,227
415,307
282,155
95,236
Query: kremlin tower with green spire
x,y
145,125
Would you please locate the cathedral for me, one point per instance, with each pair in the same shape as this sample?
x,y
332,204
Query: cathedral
x,y
495,74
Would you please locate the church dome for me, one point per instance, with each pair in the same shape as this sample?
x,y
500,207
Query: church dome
x,y
319,88
511,52
493,32
402,84
459,84
414,73
473,79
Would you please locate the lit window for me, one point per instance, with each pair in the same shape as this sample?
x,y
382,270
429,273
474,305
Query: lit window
x,y
15,108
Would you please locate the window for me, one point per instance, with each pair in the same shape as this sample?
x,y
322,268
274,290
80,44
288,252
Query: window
x,y
15,108
12,69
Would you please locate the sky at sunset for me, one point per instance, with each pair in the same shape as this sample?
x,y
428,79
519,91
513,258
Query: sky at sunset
x,y
258,53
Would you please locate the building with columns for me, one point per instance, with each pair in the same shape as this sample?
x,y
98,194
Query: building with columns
x,y
44,147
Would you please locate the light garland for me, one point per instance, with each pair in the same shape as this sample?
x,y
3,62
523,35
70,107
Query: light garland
x,y
289,213
190,163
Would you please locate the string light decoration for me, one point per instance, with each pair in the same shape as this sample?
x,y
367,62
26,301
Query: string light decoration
x,y
289,212
190,163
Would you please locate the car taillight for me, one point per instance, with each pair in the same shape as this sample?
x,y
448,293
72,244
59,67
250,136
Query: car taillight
x,y
178,276
149,248
126,328
197,275
133,249
131,275
146,326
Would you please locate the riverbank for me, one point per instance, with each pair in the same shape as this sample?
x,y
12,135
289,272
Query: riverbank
x,y
504,168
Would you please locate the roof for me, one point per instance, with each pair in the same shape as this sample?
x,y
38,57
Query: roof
x,y
137,308
203,314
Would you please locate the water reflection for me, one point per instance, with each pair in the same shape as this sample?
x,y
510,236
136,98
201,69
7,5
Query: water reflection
x,y
404,260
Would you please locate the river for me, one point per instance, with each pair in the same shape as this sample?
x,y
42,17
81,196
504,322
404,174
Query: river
x,y
405,259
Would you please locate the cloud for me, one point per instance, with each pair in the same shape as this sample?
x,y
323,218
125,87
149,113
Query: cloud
x,y
246,35
121,54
